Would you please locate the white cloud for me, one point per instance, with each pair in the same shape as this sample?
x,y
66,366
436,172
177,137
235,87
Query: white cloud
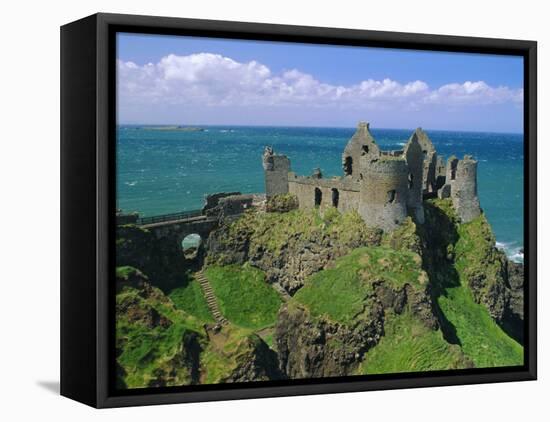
x,y
475,92
213,80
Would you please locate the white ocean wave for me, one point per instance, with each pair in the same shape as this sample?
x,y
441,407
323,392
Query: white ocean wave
x,y
131,183
512,250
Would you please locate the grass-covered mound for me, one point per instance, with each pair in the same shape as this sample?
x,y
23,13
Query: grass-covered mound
x,y
157,344
272,231
339,293
245,298
409,346
237,354
462,253
190,299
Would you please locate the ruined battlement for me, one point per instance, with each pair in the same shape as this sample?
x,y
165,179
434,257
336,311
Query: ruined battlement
x,y
383,186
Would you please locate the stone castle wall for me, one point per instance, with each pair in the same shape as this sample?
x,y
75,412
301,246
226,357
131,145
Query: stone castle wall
x,y
383,186
342,193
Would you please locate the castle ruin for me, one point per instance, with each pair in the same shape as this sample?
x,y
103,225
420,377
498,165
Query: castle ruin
x,y
383,186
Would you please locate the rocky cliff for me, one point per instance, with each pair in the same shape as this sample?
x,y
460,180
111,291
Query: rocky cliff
x,y
466,253
356,301
159,345
290,246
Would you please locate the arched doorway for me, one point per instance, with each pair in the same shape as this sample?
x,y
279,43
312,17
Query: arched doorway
x,y
318,197
335,197
190,245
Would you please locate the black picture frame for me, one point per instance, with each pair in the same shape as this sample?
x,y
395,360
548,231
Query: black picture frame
x,y
88,124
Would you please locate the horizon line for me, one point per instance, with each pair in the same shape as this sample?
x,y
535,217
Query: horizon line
x,y
319,127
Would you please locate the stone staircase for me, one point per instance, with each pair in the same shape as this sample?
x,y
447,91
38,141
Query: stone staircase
x,y
211,298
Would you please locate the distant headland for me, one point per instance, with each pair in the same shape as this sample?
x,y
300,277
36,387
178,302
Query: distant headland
x,y
175,128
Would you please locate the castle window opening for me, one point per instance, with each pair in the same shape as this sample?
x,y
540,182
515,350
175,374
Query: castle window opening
x,y
365,150
348,166
425,153
335,197
453,170
318,197
190,245
411,177
391,196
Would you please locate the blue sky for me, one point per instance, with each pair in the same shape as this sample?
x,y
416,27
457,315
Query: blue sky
x,y
191,80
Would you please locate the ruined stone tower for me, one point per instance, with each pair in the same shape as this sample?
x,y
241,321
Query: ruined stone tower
x,y
361,144
430,160
415,163
464,189
383,192
276,168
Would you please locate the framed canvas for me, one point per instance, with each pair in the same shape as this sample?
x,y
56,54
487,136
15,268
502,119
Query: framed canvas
x,y
254,210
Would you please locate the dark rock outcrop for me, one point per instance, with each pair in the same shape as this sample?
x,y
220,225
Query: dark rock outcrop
x,y
259,363
162,259
313,348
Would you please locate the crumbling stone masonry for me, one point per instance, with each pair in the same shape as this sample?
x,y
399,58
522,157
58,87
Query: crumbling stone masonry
x,y
383,186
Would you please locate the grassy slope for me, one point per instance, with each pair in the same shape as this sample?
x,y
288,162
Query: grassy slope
x,y
338,293
481,338
191,300
409,346
244,297
145,350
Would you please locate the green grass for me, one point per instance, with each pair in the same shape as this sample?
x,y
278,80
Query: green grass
x,y
125,271
482,340
339,293
409,346
191,300
269,339
217,363
144,352
244,297
476,254
273,230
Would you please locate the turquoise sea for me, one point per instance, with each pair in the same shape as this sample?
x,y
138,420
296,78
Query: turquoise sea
x,y
164,171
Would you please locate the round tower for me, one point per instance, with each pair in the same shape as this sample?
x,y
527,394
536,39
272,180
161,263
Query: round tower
x,y
464,190
384,192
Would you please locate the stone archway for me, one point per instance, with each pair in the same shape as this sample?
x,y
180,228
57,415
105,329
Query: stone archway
x,y
190,245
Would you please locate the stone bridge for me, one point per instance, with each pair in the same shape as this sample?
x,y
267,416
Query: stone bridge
x,y
177,226
179,229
